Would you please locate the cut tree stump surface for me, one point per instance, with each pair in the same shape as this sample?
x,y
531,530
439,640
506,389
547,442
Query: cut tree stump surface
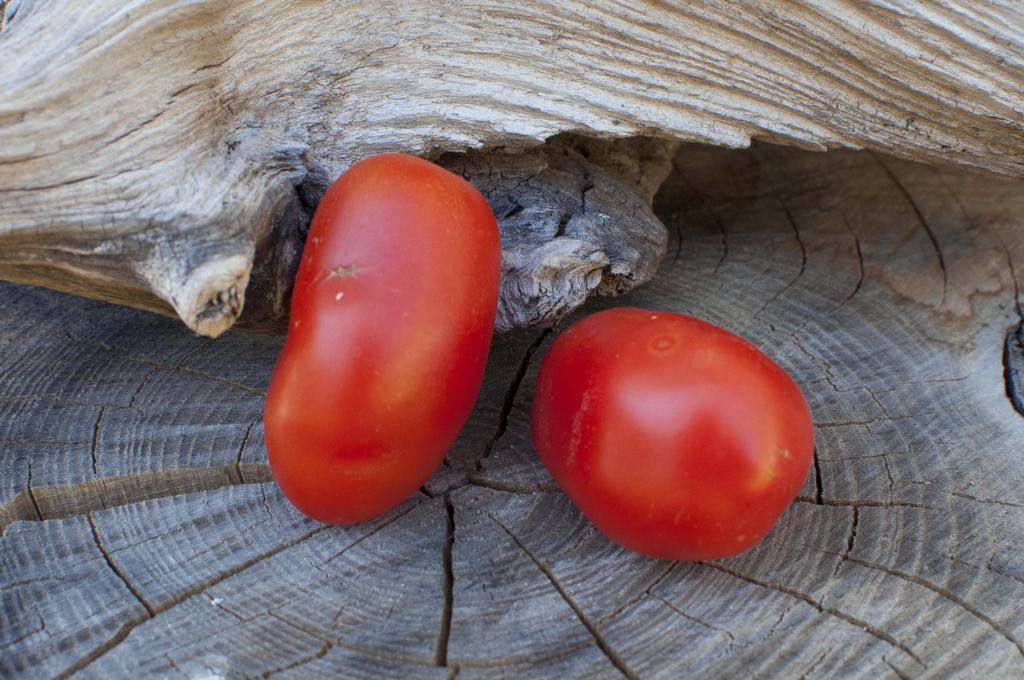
x,y
142,535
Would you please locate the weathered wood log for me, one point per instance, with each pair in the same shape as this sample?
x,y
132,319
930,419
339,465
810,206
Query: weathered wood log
x,y
150,151
887,288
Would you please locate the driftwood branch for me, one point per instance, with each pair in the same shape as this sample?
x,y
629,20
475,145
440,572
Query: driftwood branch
x,y
149,151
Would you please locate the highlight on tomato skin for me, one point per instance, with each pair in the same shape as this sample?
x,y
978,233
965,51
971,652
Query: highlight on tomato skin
x,y
674,437
392,315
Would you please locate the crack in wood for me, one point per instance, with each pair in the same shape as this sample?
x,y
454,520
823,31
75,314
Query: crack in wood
x,y
1013,366
860,263
448,584
803,255
987,567
701,622
241,447
196,589
896,671
116,639
138,390
851,537
832,611
947,594
31,497
818,486
814,664
319,654
372,652
96,439
167,366
644,593
992,501
510,397
610,652
920,218
707,206
860,503
114,568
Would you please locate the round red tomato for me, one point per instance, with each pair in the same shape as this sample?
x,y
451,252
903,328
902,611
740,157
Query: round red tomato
x,y
676,438
391,321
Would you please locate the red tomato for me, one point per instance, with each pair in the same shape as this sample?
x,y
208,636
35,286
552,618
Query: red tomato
x,y
391,321
676,438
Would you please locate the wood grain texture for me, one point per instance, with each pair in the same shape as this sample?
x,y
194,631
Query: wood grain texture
x,y
162,153
885,287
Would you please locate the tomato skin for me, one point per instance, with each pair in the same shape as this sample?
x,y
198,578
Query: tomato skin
x,y
391,321
676,438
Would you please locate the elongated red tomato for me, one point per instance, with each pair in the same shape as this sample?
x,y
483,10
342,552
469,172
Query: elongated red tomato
x,y
391,321
676,438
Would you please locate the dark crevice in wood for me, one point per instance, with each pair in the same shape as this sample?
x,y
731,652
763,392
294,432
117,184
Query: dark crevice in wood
x,y
924,223
873,421
142,386
109,492
373,532
988,567
899,432
860,262
114,568
613,656
31,496
698,621
644,593
818,488
725,242
992,501
1013,277
945,593
855,516
510,398
860,503
814,664
372,652
448,584
319,654
896,671
705,204
96,439
841,615
118,637
1013,347
778,622
562,222
181,597
178,367
677,227
208,583
588,184
1013,366
803,255
241,447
